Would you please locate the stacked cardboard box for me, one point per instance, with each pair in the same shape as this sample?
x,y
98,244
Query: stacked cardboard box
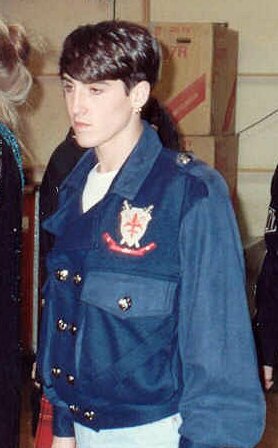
x,y
198,87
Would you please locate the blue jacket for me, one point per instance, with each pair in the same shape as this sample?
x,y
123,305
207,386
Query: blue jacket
x,y
145,309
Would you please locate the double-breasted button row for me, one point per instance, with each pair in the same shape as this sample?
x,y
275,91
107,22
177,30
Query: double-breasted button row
x,y
74,408
64,274
87,415
77,279
65,326
70,378
57,372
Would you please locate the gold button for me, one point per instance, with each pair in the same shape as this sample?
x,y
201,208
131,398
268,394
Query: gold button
x,y
73,329
73,408
125,303
56,371
77,279
70,379
61,325
62,275
89,415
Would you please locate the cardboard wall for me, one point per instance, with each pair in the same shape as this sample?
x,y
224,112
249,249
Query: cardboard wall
x,y
257,93
198,76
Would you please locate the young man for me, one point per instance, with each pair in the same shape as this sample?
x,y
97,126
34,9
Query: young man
x,y
146,339
61,162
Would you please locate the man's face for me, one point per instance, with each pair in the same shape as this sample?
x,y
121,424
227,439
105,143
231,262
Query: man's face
x,y
99,112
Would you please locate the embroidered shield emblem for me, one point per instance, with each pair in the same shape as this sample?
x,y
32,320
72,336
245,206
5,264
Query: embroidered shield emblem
x,y
134,223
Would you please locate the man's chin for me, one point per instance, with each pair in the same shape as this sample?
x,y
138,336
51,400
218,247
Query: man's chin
x,y
83,141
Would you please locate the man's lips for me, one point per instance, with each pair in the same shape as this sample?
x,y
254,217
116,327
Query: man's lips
x,y
79,125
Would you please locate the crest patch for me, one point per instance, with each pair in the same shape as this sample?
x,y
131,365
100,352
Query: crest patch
x,y
133,226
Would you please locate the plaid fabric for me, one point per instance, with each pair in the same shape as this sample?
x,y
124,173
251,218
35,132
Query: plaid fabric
x,y
43,438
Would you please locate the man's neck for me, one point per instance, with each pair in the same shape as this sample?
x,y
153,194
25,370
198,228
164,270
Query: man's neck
x,y
111,156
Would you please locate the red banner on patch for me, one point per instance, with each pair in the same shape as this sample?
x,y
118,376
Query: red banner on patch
x,y
188,99
115,247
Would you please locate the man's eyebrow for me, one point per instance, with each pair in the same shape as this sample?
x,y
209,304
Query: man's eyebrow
x,y
100,82
66,77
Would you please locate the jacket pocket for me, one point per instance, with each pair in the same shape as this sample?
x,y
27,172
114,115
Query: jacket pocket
x,y
128,296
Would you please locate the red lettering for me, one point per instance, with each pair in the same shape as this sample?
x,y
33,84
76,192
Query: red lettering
x,y
182,52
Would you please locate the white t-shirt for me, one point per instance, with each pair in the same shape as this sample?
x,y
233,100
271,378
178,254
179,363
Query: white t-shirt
x,y
96,187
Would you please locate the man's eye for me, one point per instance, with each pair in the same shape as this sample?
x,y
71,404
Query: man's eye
x,y
95,90
67,87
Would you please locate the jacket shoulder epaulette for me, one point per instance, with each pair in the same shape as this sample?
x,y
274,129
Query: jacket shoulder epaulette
x,y
188,163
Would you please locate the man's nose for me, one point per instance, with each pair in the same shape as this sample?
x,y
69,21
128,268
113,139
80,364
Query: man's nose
x,y
79,102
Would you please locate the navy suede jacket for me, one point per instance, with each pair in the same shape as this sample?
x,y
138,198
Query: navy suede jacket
x,y
145,312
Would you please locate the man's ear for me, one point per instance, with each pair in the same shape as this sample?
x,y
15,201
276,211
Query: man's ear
x,y
139,94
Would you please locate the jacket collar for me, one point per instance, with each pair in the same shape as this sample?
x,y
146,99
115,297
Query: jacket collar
x,y
132,174
126,184
138,165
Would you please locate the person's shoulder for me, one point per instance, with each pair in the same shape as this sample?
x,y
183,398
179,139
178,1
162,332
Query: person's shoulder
x,y
3,144
274,187
63,159
209,180
7,138
9,146
275,175
65,152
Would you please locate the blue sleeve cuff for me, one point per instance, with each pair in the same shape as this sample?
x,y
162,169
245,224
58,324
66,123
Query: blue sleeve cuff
x,y
185,443
62,423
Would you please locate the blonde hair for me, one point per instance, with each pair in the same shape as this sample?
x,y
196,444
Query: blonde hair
x,y
15,78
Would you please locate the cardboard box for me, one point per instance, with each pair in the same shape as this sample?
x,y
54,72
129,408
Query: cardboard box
x,y
133,10
220,152
199,76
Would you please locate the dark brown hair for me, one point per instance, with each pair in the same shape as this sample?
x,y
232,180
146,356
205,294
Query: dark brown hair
x,y
111,50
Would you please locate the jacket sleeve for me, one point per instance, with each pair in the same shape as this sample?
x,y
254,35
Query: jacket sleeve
x,y
222,402
62,423
266,319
